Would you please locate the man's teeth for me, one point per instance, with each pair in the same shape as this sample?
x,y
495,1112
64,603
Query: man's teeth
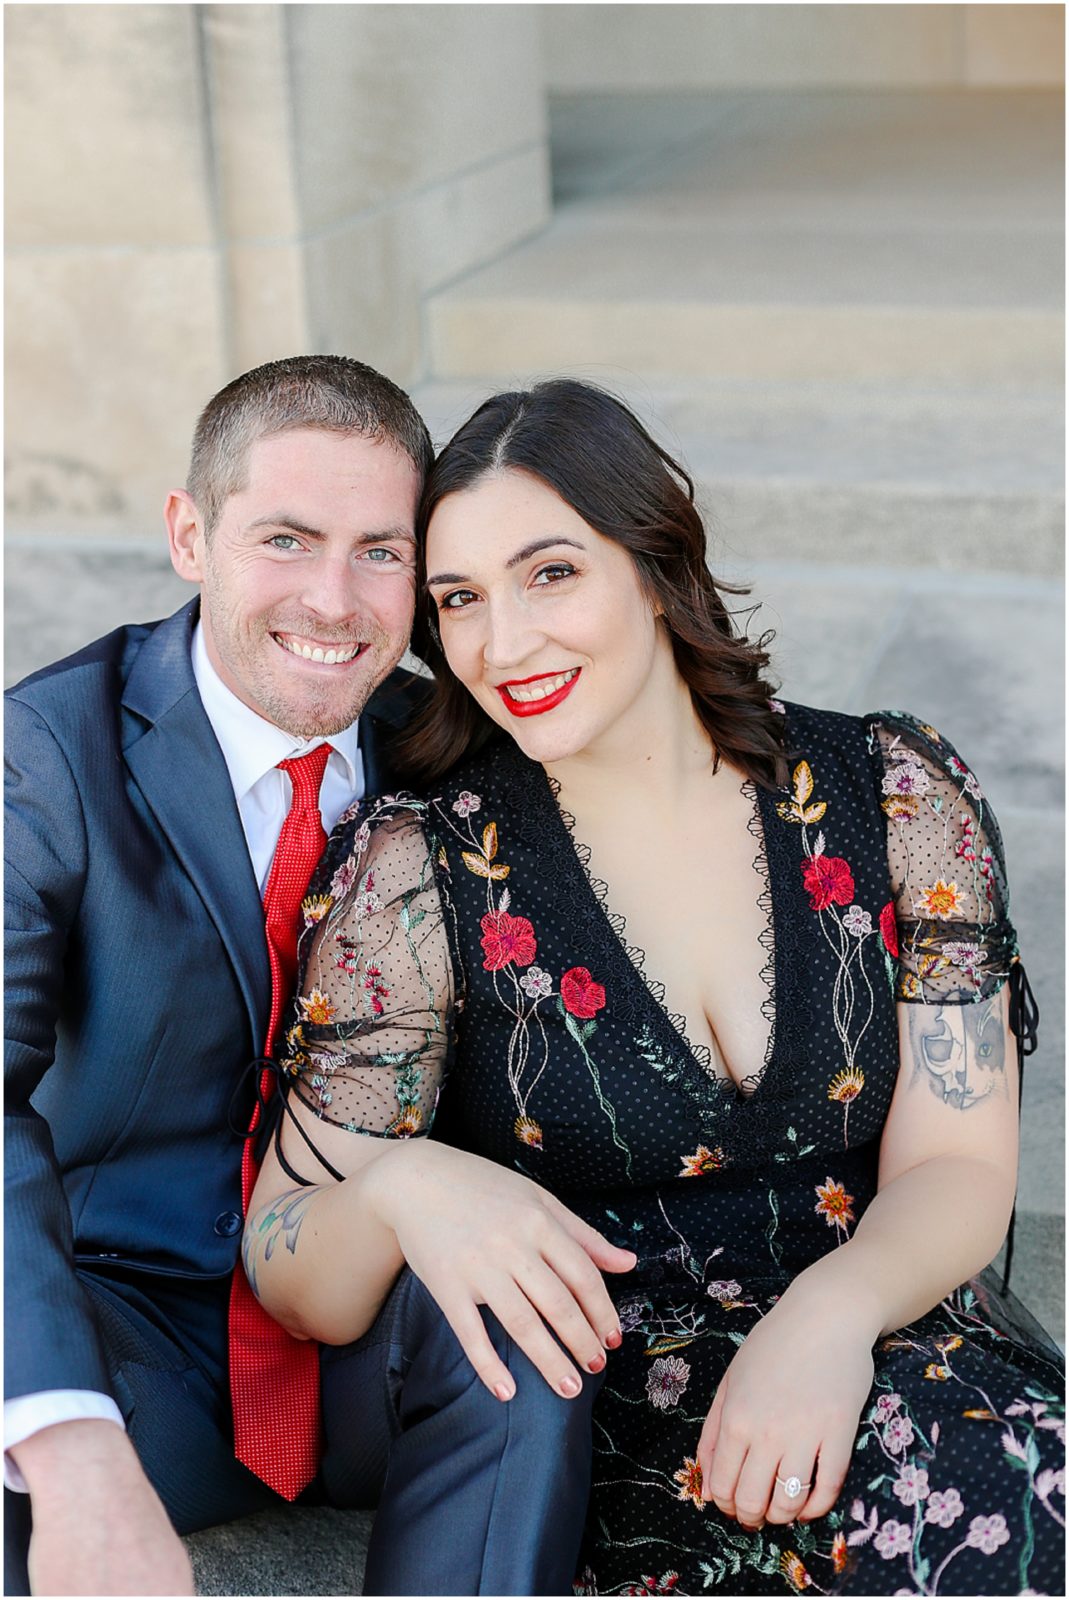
x,y
317,653
525,692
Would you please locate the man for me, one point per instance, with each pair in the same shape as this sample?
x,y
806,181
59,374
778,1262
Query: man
x,y
150,825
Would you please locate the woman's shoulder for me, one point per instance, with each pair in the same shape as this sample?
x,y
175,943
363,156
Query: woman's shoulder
x,y
496,775
896,734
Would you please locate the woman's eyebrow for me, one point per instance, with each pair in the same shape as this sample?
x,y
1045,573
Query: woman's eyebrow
x,y
527,551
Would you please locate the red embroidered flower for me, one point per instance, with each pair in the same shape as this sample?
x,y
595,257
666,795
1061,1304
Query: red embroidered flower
x,y
581,995
828,879
889,928
507,939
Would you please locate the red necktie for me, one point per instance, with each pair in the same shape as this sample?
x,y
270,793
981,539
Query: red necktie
x,y
274,1378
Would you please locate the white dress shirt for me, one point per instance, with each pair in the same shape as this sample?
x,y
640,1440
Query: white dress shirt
x,y
252,749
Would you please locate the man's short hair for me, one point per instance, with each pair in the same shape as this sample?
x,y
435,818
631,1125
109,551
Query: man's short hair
x,y
333,393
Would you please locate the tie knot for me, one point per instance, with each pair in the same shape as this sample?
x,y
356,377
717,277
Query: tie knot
x,y
306,775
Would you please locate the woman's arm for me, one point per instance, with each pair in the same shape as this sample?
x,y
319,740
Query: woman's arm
x,y
793,1394
367,1060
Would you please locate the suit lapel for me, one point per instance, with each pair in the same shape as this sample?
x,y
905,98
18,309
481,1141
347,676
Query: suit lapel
x,y
179,768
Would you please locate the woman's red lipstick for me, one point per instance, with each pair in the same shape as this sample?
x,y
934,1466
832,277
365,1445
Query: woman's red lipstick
x,y
533,708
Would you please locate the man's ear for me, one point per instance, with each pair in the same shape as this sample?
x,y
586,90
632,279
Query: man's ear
x,y
185,535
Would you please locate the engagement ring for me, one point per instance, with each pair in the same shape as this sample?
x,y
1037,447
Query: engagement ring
x,y
792,1487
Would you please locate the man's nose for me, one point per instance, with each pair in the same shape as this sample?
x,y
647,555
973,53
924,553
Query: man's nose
x,y
331,588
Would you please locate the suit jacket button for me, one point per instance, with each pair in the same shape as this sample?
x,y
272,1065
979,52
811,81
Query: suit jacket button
x,y
227,1223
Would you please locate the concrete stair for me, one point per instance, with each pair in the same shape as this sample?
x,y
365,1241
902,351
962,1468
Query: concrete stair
x,y
831,236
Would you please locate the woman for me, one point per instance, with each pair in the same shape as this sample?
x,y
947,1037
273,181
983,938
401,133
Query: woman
x,y
729,980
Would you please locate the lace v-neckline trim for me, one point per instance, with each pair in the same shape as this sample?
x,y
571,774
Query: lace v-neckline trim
x,y
743,1089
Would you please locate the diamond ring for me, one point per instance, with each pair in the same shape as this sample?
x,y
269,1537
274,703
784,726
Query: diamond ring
x,y
792,1487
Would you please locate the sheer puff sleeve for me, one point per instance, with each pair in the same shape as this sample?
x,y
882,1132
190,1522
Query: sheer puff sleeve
x,y
955,942
367,1036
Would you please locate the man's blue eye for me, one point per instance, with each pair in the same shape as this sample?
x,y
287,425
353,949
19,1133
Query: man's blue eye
x,y
284,541
380,554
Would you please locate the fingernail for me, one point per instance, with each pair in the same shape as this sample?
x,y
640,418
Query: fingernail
x,y
569,1386
504,1391
595,1365
614,1339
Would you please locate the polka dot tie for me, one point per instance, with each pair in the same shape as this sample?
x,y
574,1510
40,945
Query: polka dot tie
x,y
274,1378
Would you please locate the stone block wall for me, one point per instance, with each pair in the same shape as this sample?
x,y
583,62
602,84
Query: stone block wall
x,y
659,47
192,190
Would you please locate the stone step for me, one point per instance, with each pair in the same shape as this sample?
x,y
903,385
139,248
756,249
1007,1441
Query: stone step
x,y
788,303
899,474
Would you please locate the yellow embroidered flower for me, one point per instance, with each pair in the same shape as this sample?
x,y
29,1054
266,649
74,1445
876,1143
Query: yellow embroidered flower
x,y
838,1552
948,1343
793,1570
846,1085
702,1161
909,986
527,1131
980,1415
316,1008
901,807
937,1373
314,908
834,1204
941,900
690,1479
409,1122
932,733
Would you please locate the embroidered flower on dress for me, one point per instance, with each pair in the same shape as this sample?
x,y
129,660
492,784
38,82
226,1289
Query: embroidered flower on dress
x,y
846,1085
536,984
667,1381
901,807
409,1122
911,1485
944,1507
724,1289
632,1314
466,802
828,880
315,1007
857,921
834,1204
889,928
581,995
838,1552
314,908
893,1539
778,707
941,900
506,939
886,1406
527,1131
967,956
702,1161
377,990
690,1479
987,1533
898,1434
343,879
793,1569
937,1373
960,770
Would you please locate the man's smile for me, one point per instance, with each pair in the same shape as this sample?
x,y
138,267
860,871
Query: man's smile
x,y
313,650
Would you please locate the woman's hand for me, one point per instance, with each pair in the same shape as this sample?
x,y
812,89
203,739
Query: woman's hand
x,y
477,1234
788,1406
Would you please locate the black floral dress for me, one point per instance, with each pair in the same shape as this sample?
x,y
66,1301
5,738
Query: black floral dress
x,y
459,958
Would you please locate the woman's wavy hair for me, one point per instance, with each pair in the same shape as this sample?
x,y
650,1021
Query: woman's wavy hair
x,y
591,450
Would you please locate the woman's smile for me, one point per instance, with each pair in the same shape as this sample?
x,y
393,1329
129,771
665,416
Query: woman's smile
x,y
530,697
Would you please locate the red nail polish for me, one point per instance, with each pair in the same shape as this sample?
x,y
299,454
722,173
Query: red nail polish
x,y
614,1339
595,1365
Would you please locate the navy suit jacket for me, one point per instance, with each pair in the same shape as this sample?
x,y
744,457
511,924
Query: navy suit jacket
x,y
138,986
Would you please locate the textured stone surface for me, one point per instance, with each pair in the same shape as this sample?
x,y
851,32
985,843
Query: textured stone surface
x,y
591,47
295,1550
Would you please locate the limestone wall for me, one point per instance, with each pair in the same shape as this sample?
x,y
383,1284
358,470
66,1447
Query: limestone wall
x,y
657,47
194,189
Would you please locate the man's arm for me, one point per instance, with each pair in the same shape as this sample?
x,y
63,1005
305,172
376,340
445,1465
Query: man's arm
x,y
99,1527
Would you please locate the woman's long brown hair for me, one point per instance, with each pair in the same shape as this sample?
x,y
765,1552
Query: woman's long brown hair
x,y
590,449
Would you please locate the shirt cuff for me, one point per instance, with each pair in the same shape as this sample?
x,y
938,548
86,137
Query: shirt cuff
x,y
32,1412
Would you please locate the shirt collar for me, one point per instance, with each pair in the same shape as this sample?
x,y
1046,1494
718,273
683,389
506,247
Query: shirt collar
x,y
251,745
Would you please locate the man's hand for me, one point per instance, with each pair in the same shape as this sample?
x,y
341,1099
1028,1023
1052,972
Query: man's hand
x,y
99,1526
477,1234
